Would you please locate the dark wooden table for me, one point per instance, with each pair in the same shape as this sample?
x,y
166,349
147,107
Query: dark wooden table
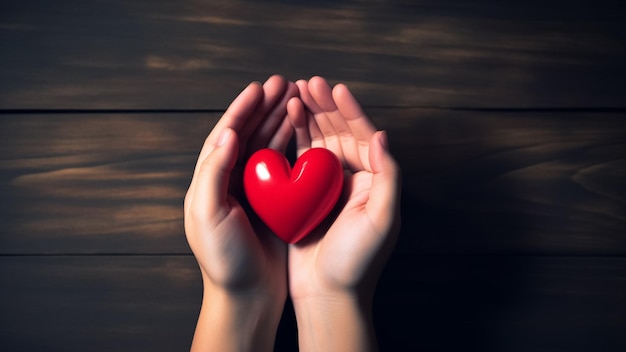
x,y
508,120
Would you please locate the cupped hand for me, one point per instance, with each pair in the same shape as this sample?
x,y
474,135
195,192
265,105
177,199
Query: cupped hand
x,y
347,254
234,254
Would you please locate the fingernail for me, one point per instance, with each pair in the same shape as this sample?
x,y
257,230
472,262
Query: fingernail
x,y
384,141
223,138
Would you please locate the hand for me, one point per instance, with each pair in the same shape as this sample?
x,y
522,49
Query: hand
x,y
333,272
243,266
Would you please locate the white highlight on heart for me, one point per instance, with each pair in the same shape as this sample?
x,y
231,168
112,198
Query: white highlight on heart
x,y
301,170
262,172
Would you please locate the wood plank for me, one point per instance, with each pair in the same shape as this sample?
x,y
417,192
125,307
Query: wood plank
x,y
99,303
187,55
473,182
97,183
497,182
425,303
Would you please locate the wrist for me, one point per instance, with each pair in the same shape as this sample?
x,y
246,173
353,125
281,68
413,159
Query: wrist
x,y
331,304
259,299
273,289
262,305
238,321
339,321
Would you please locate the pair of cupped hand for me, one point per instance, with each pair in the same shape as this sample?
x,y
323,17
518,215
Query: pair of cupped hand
x,y
344,255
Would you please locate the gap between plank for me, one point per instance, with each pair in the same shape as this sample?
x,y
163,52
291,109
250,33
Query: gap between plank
x,y
390,107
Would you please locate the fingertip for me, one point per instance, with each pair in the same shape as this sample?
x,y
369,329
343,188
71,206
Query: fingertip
x,y
386,183
302,85
273,89
277,76
213,178
347,103
232,142
275,79
383,139
380,158
255,86
321,91
317,82
306,96
228,146
224,136
248,97
295,112
340,90
294,102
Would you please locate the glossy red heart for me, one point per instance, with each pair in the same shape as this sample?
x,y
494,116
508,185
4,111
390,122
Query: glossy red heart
x,y
292,202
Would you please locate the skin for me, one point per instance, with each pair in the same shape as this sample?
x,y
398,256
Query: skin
x,y
331,275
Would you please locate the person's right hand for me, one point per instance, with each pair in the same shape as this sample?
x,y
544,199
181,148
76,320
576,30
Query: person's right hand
x,y
333,272
243,266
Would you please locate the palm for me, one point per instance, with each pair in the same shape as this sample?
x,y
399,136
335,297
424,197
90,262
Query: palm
x,y
239,256
325,255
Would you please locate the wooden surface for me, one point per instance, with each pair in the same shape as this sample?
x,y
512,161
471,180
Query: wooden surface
x,y
508,120
161,54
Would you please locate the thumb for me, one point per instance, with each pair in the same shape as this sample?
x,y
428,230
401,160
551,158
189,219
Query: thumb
x,y
382,206
211,193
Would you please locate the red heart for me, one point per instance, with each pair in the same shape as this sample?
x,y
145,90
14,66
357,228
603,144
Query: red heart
x,y
293,202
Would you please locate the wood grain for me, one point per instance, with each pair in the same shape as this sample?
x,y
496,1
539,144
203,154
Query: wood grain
x,y
424,303
97,183
473,182
98,303
496,182
190,54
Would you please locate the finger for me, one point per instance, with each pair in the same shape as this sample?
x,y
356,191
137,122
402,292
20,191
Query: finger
x,y
210,200
272,120
317,138
238,113
321,93
234,118
274,89
306,97
311,107
360,126
384,193
340,125
298,120
281,138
